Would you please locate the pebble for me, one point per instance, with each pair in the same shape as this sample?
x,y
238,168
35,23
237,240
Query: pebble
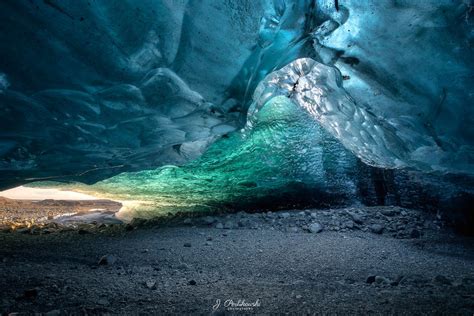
x,y
349,224
441,279
315,228
209,220
370,279
356,218
103,301
219,226
293,229
182,266
30,293
376,228
381,280
284,215
415,233
151,284
228,225
107,260
187,221
54,312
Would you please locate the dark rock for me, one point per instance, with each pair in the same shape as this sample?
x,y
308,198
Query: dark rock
x,y
442,280
356,218
415,233
397,281
192,282
187,244
371,279
389,212
208,220
107,260
30,293
376,228
381,280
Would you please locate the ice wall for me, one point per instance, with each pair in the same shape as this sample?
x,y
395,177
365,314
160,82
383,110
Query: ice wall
x,y
92,89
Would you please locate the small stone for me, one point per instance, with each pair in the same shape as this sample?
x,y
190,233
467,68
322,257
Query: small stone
x,y
441,279
103,301
192,282
182,266
187,244
209,220
349,224
415,233
107,260
371,279
314,215
376,228
228,225
208,243
293,229
151,284
356,218
219,226
388,212
381,280
23,230
298,297
54,312
187,221
315,228
30,293
397,281
284,215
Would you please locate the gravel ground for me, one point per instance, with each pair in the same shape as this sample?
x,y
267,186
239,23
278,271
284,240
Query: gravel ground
x,y
346,261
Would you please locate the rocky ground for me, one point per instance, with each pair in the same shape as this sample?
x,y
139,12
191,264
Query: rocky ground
x,y
26,215
360,260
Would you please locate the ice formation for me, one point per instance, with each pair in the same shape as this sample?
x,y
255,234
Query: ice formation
x,y
114,90
380,141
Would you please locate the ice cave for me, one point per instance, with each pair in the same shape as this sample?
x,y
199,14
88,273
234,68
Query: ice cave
x,y
130,123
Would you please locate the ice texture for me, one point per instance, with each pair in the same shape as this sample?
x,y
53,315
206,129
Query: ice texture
x,y
379,141
89,90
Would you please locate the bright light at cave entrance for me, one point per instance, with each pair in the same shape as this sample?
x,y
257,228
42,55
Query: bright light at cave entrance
x,y
25,193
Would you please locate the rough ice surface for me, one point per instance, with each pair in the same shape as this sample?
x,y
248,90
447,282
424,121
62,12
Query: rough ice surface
x,y
115,90
386,142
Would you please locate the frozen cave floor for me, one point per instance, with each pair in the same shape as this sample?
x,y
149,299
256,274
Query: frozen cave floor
x,y
357,260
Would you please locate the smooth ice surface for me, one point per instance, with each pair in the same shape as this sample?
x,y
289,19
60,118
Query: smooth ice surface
x,y
91,90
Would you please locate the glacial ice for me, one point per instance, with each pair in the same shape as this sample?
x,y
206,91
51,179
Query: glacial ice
x,y
111,91
383,142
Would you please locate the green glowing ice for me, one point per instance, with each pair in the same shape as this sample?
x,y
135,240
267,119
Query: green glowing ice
x,y
277,162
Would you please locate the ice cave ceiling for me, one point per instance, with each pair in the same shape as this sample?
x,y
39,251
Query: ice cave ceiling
x,y
253,94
